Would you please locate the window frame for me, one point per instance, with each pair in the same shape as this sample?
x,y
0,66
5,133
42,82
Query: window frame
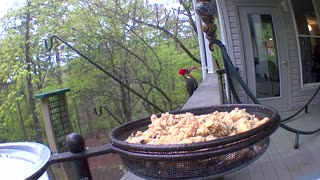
x,y
316,6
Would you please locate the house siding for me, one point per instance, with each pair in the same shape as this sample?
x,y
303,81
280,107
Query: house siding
x,y
298,94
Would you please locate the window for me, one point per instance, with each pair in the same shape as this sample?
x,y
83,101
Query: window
x,y
265,55
307,15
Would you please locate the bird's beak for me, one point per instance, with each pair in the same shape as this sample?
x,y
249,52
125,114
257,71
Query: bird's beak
x,y
194,68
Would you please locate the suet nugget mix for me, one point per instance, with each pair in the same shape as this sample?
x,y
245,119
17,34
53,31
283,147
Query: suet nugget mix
x,y
190,128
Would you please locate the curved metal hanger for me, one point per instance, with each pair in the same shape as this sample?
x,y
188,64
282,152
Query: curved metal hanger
x,y
111,114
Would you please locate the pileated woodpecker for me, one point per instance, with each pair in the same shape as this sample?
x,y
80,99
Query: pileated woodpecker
x,y
191,82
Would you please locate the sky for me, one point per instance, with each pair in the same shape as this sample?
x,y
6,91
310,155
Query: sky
x,y
6,4
168,3
3,6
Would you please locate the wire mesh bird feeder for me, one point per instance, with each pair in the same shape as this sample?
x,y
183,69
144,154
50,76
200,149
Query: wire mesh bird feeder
x,y
56,118
57,121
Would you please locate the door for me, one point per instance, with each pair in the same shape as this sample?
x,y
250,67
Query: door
x,y
265,54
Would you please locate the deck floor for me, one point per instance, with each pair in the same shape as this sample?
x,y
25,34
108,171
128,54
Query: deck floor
x,y
281,161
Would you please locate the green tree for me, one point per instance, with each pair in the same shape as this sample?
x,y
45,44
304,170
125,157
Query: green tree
x,y
142,45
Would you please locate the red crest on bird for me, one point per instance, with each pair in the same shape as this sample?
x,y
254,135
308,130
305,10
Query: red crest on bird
x,y
184,71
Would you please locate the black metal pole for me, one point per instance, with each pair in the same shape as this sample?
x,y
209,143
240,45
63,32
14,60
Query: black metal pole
x,y
102,69
80,168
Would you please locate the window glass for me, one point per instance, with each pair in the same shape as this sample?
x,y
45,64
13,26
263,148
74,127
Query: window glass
x,y
265,55
307,20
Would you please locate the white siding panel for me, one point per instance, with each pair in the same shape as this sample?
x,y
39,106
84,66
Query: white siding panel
x,y
236,43
235,36
229,8
237,56
236,49
294,67
231,13
292,41
291,35
232,19
299,97
229,3
233,25
292,52
234,30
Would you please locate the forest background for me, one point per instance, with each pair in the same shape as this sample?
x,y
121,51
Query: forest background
x,y
140,43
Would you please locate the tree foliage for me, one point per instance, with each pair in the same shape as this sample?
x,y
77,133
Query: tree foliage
x,y
143,45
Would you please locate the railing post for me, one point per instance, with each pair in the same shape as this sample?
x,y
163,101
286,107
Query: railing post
x,y
80,168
